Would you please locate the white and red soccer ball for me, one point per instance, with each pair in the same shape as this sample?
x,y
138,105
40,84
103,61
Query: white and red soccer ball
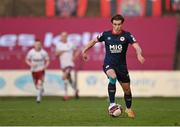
x,y
115,110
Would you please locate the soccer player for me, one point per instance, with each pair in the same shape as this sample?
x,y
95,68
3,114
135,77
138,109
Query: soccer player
x,y
115,67
38,60
67,53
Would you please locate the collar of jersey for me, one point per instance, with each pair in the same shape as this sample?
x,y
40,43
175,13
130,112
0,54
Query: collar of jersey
x,y
117,33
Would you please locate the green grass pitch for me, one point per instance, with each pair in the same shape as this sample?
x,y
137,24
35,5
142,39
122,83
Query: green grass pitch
x,y
86,111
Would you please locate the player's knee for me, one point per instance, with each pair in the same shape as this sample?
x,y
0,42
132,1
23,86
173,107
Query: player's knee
x,y
112,80
68,76
39,82
64,76
127,91
38,86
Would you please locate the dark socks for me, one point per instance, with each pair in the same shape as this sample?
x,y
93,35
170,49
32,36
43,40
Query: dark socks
x,y
128,100
111,92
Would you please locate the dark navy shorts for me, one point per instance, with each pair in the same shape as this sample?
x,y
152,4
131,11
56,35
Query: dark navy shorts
x,y
121,72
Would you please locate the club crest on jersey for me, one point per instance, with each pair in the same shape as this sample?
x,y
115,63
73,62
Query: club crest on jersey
x,y
109,38
122,38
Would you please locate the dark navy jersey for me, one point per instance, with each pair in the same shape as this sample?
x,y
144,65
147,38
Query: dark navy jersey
x,y
116,46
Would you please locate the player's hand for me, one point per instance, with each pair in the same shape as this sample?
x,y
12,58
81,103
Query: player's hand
x,y
141,59
85,56
74,59
59,53
45,67
33,65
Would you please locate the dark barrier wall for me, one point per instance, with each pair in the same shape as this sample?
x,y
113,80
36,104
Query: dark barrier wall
x,y
156,36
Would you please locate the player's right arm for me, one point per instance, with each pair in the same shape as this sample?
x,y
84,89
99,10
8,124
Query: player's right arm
x,y
28,59
59,53
28,62
59,50
90,44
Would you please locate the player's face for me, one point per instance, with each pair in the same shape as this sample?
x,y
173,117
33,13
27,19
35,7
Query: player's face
x,y
64,37
37,45
117,25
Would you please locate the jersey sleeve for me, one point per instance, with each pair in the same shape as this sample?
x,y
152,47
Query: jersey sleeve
x,y
46,56
29,55
100,37
131,39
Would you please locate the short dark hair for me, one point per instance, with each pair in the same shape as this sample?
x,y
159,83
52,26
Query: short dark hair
x,y
37,39
117,17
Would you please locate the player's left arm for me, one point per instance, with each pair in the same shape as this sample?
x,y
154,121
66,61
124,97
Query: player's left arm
x,y
90,44
28,59
47,63
138,49
76,53
47,60
59,50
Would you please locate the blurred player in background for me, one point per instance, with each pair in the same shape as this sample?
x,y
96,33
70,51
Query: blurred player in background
x,y
38,60
67,53
115,67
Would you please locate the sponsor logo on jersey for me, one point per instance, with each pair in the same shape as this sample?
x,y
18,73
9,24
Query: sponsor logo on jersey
x,y
115,48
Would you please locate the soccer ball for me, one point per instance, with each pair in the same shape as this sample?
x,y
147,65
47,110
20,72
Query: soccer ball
x,y
115,110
